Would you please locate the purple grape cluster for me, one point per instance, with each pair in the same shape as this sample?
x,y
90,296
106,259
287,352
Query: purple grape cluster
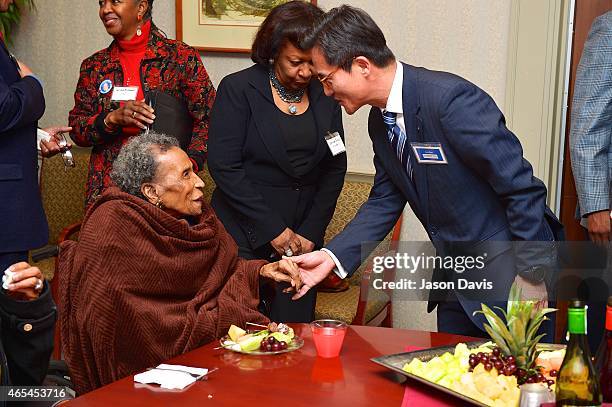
x,y
271,344
506,365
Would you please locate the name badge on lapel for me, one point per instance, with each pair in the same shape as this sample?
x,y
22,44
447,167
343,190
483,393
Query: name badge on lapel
x,y
335,143
429,153
124,93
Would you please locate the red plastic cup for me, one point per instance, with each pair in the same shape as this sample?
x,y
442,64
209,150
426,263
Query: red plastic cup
x,y
328,335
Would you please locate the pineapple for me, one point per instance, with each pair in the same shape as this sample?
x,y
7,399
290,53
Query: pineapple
x,y
517,336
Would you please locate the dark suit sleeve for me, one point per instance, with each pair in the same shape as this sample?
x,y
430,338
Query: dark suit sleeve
x,y
21,103
228,131
27,336
328,190
373,221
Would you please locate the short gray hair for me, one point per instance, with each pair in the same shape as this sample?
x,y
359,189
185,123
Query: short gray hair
x,y
136,163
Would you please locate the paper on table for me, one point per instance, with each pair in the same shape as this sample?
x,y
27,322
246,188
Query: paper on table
x,y
171,376
193,370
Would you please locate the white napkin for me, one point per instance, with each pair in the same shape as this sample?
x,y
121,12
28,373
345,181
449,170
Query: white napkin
x,y
40,136
7,278
171,376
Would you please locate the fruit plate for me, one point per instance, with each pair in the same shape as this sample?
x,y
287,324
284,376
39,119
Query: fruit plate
x,y
396,361
295,344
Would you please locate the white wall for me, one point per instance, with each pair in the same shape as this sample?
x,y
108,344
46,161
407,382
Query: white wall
x,y
466,37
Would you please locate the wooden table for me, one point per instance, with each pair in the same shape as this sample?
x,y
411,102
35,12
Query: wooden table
x,y
296,378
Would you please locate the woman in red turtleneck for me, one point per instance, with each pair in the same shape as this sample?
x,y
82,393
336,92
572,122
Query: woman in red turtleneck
x,y
131,52
140,56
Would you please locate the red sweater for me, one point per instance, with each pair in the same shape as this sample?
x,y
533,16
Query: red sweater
x,y
131,53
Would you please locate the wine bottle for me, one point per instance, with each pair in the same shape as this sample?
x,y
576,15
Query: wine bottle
x,y
577,382
603,361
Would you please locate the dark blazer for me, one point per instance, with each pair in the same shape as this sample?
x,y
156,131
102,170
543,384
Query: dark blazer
x,y
22,221
258,193
486,192
26,338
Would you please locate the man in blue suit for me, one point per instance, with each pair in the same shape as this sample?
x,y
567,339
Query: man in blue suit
x,y
441,145
22,221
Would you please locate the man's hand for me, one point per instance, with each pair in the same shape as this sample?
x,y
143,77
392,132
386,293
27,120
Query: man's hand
x,y
26,281
285,271
52,147
598,224
307,245
314,267
532,291
287,243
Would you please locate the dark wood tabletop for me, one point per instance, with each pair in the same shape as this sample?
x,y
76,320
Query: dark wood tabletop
x,y
297,378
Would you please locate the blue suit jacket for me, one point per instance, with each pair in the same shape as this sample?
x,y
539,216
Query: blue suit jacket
x,y
486,192
22,220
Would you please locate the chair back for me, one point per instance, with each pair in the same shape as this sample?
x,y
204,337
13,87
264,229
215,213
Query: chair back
x,y
358,304
63,191
209,184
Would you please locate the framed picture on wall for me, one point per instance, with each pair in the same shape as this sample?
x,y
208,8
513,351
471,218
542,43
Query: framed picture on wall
x,y
221,25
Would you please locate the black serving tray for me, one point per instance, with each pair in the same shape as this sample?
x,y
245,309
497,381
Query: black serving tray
x,y
396,361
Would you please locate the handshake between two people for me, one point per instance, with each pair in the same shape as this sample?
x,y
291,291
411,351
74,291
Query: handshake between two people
x,y
302,272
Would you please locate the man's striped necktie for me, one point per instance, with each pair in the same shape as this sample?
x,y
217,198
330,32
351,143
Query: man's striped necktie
x,y
398,141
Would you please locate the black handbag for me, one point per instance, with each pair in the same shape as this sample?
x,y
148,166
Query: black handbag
x,y
171,117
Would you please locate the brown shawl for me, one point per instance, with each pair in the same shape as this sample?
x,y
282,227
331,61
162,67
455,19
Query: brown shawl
x,y
141,286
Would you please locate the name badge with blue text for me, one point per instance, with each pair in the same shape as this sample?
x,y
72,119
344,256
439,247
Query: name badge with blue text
x,y
335,143
429,153
124,93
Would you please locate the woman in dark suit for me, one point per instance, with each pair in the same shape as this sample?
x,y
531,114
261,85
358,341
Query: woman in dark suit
x,y
277,180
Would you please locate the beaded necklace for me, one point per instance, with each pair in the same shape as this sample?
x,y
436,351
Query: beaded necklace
x,y
286,95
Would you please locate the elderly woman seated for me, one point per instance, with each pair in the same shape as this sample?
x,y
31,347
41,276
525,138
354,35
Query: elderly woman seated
x,y
154,273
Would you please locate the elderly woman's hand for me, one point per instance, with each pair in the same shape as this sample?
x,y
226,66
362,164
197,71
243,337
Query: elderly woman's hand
x,y
26,281
132,113
283,271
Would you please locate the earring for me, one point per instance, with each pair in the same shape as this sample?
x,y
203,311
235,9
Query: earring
x,y
138,29
159,203
271,61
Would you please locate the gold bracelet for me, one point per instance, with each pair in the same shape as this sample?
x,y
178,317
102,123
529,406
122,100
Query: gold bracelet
x,y
107,126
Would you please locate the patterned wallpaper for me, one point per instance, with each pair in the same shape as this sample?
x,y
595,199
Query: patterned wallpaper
x,y
466,37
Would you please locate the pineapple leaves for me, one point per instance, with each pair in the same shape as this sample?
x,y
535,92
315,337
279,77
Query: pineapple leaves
x,y
496,323
517,336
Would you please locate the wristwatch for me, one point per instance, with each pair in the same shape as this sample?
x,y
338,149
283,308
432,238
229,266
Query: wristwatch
x,y
535,274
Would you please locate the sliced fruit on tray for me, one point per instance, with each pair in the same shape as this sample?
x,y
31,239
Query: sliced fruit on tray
x,y
492,372
275,338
